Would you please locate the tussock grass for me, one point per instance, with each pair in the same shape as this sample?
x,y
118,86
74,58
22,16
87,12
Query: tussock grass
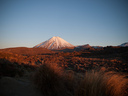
x,y
102,84
50,79
91,85
116,84
54,81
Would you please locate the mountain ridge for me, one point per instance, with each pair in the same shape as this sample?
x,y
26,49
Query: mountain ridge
x,y
124,44
57,43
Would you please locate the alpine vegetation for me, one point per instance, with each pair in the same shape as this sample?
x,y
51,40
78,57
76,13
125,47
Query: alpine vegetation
x,y
102,84
51,80
54,81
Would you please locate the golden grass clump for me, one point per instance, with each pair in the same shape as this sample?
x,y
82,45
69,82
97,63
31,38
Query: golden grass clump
x,y
49,78
102,84
54,81
116,84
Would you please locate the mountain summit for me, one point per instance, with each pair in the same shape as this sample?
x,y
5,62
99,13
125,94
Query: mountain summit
x,y
54,43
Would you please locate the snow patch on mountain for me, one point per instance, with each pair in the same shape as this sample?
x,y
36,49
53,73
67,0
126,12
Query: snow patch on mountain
x,y
124,45
54,43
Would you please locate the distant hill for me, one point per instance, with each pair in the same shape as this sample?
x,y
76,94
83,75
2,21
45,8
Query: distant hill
x,y
124,44
27,51
83,46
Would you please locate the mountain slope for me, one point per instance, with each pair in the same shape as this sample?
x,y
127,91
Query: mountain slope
x,y
124,45
84,46
54,43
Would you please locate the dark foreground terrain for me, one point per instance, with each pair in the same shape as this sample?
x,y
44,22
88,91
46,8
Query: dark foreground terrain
x,y
42,72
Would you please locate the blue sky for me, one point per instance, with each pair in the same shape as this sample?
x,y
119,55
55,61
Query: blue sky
x,y
25,23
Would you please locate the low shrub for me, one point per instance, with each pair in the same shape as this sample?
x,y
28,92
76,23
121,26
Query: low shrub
x,y
10,69
102,84
53,81
49,78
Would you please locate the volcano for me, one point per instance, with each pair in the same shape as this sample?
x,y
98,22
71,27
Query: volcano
x,y
54,43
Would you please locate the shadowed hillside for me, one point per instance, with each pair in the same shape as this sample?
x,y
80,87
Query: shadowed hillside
x,y
27,51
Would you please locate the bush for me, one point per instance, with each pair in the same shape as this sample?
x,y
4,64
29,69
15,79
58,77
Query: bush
x,y
102,84
49,78
53,81
10,69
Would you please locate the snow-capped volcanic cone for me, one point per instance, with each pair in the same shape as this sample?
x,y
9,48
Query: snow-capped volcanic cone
x,y
54,43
